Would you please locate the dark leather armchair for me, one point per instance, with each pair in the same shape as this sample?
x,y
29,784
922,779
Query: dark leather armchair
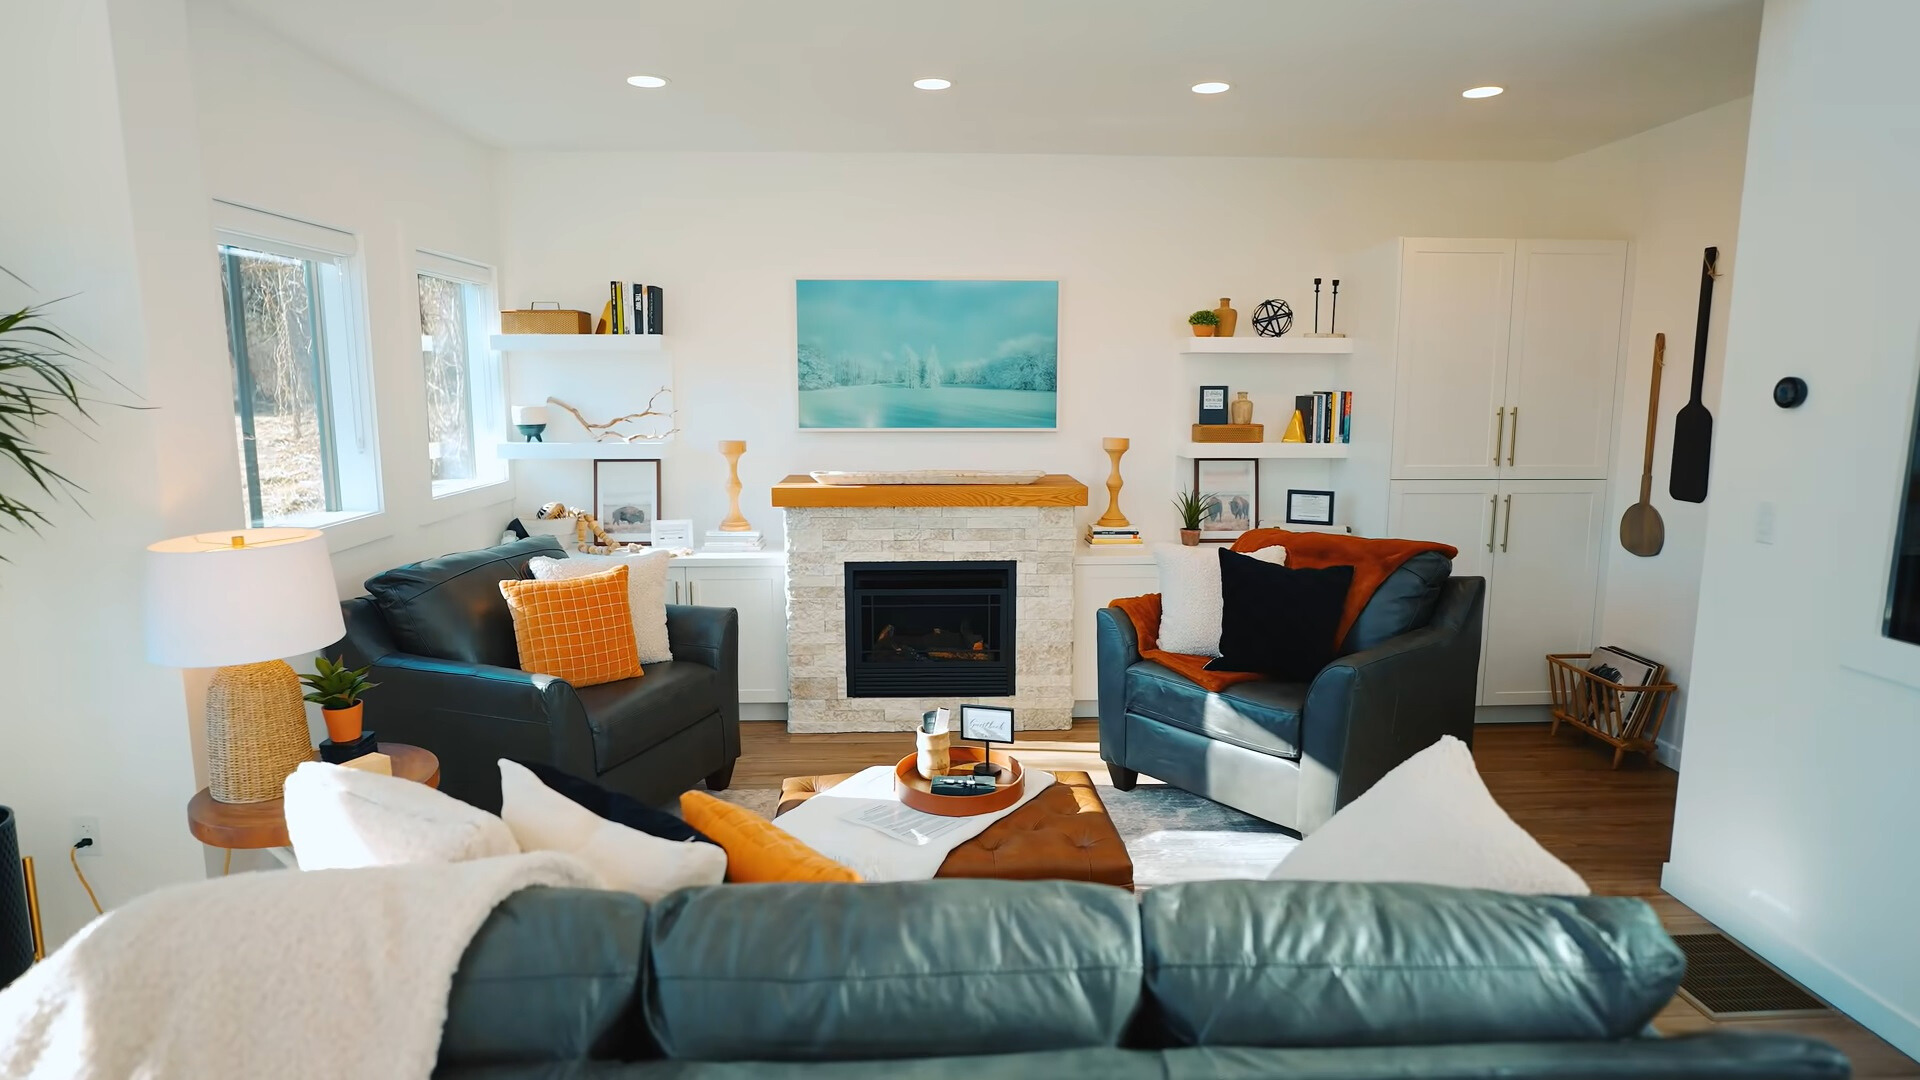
x,y
1293,753
439,638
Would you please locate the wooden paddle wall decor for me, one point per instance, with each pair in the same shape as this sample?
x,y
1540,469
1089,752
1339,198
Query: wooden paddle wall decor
x,y
1693,428
1642,532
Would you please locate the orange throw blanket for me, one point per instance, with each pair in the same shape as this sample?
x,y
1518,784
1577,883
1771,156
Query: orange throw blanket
x,y
1373,561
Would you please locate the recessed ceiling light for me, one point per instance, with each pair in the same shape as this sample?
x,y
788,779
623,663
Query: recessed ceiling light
x,y
931,84
1211,87
651,82
1483,91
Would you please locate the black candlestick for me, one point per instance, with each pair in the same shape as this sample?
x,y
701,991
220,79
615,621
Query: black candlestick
x,y
1333,317
1316,306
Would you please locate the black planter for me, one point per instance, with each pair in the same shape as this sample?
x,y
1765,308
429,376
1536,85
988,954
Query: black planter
x,y
16,931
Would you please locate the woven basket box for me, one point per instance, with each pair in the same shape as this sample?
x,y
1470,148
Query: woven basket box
x,y
545,321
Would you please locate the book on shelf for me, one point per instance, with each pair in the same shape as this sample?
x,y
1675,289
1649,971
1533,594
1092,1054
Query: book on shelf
x,y
731,541
1095,530
637,308
616,313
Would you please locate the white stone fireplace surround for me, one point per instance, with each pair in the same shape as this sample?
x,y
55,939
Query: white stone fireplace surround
x,y
822,539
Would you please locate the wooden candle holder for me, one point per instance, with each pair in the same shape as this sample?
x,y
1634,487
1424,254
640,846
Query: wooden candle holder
x,y
1113,518
731,449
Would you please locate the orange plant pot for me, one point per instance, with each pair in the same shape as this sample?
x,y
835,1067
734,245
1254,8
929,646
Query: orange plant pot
x,y
1204,331
343,725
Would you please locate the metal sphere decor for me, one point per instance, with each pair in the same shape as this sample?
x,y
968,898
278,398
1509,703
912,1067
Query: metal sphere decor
x,y
1272,318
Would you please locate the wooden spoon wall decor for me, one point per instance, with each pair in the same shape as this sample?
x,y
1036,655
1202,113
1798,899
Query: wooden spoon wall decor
x,y
1642,532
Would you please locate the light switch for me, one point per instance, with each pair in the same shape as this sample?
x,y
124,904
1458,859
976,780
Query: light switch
x,y
1763,524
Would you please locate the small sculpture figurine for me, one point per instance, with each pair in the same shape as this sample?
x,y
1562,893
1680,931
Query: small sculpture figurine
x,y
1272,318
1113,518
731,449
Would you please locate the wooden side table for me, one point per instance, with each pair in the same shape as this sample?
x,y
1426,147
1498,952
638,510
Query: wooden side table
x,y
253,826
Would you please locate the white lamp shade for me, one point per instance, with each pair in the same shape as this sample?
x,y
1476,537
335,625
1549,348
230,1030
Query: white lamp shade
x,y
240,597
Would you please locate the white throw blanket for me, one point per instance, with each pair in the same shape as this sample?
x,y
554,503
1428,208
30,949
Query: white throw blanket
x,y
822,824
329,974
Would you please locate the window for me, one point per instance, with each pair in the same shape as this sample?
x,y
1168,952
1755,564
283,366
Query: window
x,y
1903,603
302,390
465,405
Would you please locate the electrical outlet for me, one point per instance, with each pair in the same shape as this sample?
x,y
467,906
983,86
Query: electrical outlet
x,y
87,828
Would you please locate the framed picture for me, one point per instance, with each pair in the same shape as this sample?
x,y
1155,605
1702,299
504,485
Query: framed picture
x,y
927,355
986,723
626,498
1234,484
673,532
1308,507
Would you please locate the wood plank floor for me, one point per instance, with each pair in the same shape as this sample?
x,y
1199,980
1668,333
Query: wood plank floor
x,y
1613,827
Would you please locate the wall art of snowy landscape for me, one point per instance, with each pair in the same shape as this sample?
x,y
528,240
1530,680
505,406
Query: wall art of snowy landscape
x,y
928,354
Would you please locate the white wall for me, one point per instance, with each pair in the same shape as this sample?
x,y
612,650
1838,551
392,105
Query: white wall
x,y
281,131
97,203
1136,244
1672,191
1794,828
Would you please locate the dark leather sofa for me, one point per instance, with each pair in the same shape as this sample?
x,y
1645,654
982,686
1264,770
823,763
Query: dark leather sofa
x,y
1217,980
1293,753
439,638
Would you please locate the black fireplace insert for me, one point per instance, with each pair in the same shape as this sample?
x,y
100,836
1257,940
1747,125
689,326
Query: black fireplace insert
x,y
916,629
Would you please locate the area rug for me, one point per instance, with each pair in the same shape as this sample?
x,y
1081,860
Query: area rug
x,y
1172,835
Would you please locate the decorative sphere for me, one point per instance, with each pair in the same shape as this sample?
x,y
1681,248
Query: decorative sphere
x,y
1272,318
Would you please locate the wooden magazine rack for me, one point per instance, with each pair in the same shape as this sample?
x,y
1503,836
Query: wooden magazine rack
x,y
1627,718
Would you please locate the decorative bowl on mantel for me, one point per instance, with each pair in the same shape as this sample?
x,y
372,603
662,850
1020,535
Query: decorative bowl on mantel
x,y
936,477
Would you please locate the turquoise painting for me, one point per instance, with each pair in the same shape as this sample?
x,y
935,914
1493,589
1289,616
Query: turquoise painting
x,y
915,355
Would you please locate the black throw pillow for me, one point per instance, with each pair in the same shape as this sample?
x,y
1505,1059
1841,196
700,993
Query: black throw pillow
x,y
1277,620
612,805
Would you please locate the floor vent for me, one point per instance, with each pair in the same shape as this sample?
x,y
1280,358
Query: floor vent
x,y
1727,982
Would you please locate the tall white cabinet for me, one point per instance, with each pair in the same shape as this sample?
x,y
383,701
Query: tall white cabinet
x,y
1506,362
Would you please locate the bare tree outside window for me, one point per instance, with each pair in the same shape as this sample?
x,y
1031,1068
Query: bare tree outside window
x,y
275,337
444,342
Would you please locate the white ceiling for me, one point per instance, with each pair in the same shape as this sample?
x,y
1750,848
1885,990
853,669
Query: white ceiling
x,y
1311,78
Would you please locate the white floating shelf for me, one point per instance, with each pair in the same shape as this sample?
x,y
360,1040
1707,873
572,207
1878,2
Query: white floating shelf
x,y
1263,450
580,451
1263,346
606,344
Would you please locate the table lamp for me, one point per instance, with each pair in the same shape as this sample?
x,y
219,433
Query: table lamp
x,y
239,601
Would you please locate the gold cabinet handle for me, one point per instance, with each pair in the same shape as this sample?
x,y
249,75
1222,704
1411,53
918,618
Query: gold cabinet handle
x,y
1493,517
1513,444
1508,534
1499,433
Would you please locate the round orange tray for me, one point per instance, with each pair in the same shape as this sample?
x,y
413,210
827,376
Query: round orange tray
x,y
914,790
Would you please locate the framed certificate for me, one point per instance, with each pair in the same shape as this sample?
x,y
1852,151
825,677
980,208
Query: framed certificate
x,y
1308,507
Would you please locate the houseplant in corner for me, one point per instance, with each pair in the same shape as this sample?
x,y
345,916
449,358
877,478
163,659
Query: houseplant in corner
x,y
1204,323
35,385
1192,506
337,689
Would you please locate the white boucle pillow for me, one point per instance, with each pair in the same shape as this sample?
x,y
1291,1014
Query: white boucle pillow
x,y
1430,821
627,859
646,592
1190,595
343,819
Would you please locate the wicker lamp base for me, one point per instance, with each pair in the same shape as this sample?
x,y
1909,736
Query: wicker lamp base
x,y
256,731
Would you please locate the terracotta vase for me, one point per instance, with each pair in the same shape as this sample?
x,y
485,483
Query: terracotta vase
x,y
1240,409
343,725
1229,318
1190,537
1203,331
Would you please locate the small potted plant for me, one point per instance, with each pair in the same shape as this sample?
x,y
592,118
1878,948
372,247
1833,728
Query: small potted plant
x,y
337,689
1204,323
1192,506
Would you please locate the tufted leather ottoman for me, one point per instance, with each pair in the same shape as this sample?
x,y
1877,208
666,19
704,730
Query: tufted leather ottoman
x,y
1064,833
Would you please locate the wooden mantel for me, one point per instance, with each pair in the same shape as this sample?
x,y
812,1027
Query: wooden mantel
x,y
1054,489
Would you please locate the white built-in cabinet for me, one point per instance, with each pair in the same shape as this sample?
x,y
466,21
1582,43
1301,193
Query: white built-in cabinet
x,y
1101,576
1538,544
1506,362
1507,355
756,586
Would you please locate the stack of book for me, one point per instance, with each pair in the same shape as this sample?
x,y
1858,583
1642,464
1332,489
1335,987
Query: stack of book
x,y
1327,415
635,308
731,541
1098,537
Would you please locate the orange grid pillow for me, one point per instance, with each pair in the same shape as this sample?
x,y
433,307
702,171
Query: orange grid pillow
x,y
577,629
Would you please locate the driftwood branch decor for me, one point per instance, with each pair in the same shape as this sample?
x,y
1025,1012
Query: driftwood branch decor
x,y
606,433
